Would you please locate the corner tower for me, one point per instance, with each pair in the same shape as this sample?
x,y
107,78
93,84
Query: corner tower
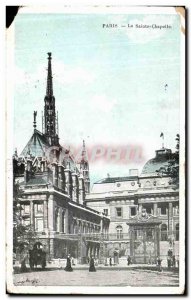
x,y
50,120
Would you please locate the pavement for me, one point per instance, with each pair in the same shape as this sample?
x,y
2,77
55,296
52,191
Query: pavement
x,y
102,277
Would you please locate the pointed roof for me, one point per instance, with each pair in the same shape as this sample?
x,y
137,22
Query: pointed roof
x,y
36,146
49,88
84,157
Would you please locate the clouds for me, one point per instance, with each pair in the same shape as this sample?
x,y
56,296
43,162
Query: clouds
x,y
62,74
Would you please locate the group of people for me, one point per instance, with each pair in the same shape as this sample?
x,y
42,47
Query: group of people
x,y
171,259
69,268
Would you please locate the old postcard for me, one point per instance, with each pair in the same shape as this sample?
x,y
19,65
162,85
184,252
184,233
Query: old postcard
x,y
96,150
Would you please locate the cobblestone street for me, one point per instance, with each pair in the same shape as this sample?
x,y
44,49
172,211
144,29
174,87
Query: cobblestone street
x,y
100,278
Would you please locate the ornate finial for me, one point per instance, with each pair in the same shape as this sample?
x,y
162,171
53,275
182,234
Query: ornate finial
x,y
49,88
34,123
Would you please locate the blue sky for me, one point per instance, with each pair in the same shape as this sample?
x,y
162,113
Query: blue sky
x,y
109,84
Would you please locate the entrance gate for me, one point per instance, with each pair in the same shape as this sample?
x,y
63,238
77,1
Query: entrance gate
x,y
144,238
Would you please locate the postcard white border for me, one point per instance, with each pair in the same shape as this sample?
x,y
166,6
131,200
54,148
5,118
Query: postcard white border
x,y
9,107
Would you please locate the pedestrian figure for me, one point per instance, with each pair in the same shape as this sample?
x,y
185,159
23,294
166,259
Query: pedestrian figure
x,y
159,264
110,261
128,260
23,257
68,267
169,262
92,265
173,261
169,252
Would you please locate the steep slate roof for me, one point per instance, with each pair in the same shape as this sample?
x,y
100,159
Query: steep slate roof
x,y
36,145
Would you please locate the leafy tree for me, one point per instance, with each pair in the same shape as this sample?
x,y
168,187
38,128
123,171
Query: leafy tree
x,y
172,168
21,233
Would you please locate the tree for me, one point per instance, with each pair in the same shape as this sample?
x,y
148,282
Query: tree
x,y
21,233
172,168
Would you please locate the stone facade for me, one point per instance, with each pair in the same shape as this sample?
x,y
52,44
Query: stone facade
x,y
122,198
52,189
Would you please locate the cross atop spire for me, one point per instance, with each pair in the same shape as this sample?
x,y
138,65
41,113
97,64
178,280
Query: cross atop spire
x,y
49,88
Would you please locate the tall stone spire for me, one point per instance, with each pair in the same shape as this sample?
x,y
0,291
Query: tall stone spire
x,y
49,109
49,88
84,168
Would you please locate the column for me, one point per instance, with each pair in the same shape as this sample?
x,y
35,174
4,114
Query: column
x,y
60,177
155,209
51,215
140,208
81,190
32,215
63,220
131,231
66,221
158,240
55,174
68,181
170,217
51,249
45,215
60,219
79,248
74,183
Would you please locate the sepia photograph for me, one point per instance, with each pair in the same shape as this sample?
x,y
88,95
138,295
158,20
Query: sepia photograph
x,y
96,150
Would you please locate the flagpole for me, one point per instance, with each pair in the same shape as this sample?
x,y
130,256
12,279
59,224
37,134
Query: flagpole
x,y
162,136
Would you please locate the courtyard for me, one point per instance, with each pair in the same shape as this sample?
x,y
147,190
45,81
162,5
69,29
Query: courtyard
x,y
102,277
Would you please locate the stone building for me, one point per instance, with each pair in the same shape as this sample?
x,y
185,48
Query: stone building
x,y
123,198
53,188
